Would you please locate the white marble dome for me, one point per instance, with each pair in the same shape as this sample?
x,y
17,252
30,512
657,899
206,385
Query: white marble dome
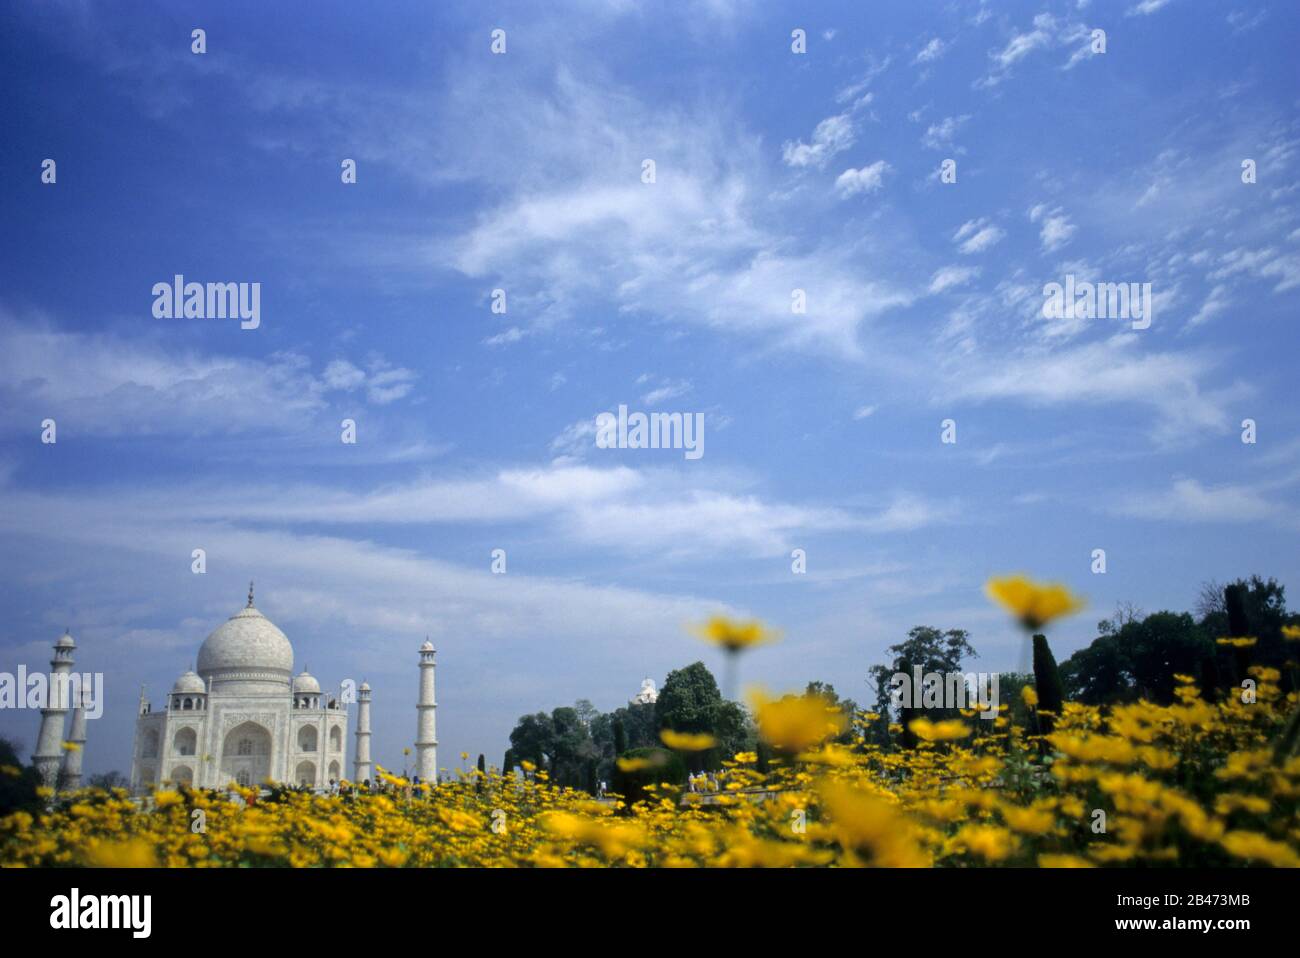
x,y
306,683
189,683
247,642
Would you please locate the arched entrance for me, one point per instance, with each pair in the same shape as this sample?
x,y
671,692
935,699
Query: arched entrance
x,y
246,754
306,774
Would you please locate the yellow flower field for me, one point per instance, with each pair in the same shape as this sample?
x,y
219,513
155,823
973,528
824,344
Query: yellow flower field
x,y
1193,783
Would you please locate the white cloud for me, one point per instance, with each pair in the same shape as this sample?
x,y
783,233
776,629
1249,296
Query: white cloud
x,y
931,51
105,385
833,135
1146,8
1056,230
704,245
1215,303
862,412
664,392
1022,44
1188,500
975,236
341,374
1114,370
868,179
939,136
950,276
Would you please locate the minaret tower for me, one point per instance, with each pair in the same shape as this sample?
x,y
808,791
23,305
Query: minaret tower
x,y
426,745
71,777
361,764
49,742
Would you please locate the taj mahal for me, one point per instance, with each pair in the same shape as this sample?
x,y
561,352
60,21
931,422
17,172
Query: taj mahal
x,y
242,716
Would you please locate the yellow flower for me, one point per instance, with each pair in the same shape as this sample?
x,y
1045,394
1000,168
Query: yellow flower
x,y
1032,603
796,723
989,842
634,764
1256,847
1239,642
1031,821
947,731
687,741
163,799
132,853
735,636
71,747
1029,696
1063,861
1291,633
868,825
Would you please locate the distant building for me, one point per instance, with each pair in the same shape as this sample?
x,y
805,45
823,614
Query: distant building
x,y
648,695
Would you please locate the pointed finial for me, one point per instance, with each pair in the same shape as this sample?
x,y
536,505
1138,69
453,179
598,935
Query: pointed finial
x,y
250,593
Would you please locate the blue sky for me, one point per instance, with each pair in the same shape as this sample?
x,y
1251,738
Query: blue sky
x,y
775,171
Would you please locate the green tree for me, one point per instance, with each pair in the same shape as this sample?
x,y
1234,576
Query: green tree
x,y
934,651
533,740
690,702
1251,607
848,707
17,792
571,748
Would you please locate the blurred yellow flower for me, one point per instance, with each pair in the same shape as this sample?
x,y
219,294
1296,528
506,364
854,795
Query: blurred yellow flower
x,y
735,636
796,723
1291,633
687,741
946,731
1033,604
132,853
1256,847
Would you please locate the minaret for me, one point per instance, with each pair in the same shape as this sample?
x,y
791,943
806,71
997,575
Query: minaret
x,y
361,764
71,777
49,742
426,745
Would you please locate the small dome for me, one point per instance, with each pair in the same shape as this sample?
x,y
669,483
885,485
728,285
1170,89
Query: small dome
x,y
365,687
65,642
305,682
427,647
189,683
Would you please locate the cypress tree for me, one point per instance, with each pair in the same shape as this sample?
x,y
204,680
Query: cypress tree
x,y
1234,597
1047,682
620,738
